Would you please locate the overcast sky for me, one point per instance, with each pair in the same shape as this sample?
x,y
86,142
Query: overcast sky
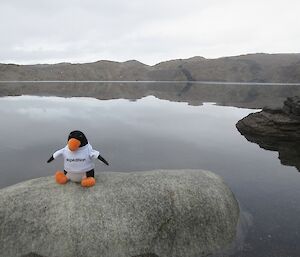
x,y
50,31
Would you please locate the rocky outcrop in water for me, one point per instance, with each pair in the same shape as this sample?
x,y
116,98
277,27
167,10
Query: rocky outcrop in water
x,y
155,213
292,107
282,123
276,129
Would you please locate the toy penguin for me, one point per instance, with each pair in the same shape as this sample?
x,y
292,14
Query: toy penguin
x,y
78,157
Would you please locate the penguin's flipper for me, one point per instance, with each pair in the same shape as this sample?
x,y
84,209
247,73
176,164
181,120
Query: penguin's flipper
x,y
50,159
103,160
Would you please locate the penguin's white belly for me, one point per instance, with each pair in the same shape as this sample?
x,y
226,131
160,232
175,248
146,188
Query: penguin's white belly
x,y
76,177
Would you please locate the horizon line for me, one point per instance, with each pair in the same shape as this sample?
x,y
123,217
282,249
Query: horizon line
x,y
152,81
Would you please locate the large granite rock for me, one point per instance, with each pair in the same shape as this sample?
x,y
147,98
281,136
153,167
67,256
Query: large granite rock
x,y
155,213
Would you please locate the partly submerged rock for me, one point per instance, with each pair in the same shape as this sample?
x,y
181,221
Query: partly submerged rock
x,y
156,213
276,129
282,123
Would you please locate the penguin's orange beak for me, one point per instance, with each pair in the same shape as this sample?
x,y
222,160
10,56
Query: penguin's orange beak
x,y
73,144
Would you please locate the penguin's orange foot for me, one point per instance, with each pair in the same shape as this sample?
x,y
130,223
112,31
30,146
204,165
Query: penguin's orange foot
x,y
88,182
60,177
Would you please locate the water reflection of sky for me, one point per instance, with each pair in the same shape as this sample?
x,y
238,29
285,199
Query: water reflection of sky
x,y
145,134
154,134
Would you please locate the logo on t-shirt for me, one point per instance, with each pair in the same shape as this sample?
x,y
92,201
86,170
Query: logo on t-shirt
x,y
75,160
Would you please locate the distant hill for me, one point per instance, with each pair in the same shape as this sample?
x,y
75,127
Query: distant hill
x,y
243,68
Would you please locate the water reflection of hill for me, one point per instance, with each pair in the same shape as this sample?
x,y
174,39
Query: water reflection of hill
x,y
248,96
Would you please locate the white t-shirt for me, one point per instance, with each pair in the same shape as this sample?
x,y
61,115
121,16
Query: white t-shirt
x,y
78,161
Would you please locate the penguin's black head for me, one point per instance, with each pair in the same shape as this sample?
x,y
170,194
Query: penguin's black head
x,y
76,139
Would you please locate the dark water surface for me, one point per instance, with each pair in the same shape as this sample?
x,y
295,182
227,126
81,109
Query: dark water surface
x,y
151,133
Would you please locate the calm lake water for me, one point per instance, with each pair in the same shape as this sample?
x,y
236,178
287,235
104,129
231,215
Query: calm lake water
x,y
151,133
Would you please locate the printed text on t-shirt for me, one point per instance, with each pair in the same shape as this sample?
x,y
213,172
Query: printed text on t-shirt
x,y
75,160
